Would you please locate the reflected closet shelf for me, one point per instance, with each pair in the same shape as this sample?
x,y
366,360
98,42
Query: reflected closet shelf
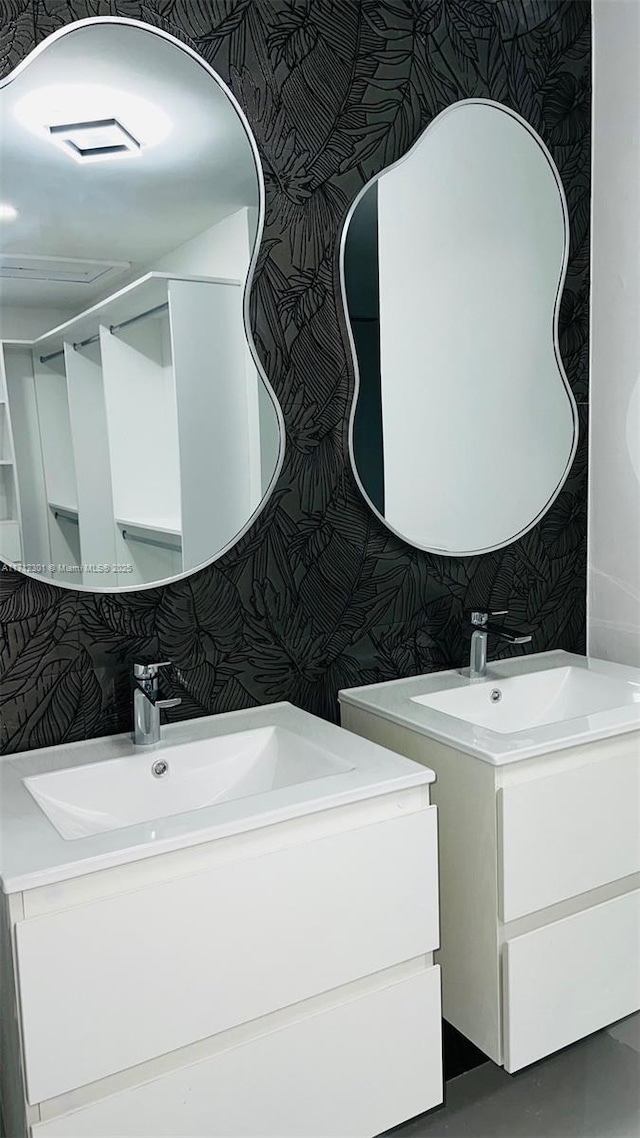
x,y
168,526
68,513
165,534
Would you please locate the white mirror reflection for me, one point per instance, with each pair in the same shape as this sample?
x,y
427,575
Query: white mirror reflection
x,y
453,261
138,436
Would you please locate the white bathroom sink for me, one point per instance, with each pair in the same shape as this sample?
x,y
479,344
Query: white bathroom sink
x,y
227,775
527,705
521,702
85,800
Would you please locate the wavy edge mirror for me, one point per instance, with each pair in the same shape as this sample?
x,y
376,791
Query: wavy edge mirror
x,y
532,522
150,29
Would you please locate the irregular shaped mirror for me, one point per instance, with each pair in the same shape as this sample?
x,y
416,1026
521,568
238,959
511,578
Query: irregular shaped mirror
x,y
463,428
138,435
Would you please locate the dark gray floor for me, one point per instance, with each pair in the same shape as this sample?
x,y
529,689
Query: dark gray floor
x,y
589,1090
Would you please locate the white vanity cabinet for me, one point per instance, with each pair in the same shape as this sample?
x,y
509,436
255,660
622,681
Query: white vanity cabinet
x,y
269,983
540,885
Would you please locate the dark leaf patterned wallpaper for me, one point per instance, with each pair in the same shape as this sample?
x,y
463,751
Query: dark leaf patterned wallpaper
x,y
318,595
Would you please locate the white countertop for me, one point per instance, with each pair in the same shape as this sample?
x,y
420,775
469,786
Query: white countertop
x,y
395,701
32,853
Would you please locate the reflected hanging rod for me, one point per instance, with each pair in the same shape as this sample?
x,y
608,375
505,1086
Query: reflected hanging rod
x,y
141,316
51,356
83,343
113,328
153,541
76,346
67,517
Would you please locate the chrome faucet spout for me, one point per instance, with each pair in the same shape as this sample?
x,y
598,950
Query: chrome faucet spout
x,y
509,637
147,703
478,655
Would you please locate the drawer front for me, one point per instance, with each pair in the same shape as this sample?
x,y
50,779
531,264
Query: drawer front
x,y
570,978
111,984
350,1072
569,833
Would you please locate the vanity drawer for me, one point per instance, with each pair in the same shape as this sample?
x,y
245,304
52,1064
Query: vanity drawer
x,y
353,1070
571,832
184,959
570,978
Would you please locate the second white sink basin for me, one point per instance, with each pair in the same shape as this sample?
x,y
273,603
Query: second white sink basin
x,y
90,799
527,705
519,703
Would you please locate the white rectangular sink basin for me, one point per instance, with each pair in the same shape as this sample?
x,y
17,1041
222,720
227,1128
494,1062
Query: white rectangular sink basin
x,y
227,775
525,706
90,799
519,703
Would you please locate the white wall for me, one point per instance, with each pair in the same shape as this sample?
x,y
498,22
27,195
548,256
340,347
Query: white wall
x,y
223,250
17,322
614,520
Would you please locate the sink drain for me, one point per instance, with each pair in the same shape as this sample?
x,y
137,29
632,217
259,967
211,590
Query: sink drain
x,y
495,695
159,768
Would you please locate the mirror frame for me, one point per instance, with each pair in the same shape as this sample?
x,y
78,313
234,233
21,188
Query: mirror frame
x,y
244,122
556,347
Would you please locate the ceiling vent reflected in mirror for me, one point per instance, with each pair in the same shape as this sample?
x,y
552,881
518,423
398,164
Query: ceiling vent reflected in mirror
x,y
115,120
96,140
139,437
57,270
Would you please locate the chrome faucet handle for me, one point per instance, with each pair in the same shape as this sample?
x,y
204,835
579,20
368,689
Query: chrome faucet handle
x,y
480,623
144,675
149,671
479,618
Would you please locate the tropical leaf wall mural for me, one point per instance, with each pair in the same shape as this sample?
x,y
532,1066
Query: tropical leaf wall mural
x,y
318,595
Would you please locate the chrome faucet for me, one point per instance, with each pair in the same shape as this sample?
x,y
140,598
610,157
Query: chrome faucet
x,y
481,629
147,705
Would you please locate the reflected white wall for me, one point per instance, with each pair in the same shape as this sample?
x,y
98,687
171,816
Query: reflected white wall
x,y
223,250
478,425
614,521
17,322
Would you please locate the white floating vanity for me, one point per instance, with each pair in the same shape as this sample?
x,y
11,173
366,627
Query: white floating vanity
x,y
259,966
538,791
